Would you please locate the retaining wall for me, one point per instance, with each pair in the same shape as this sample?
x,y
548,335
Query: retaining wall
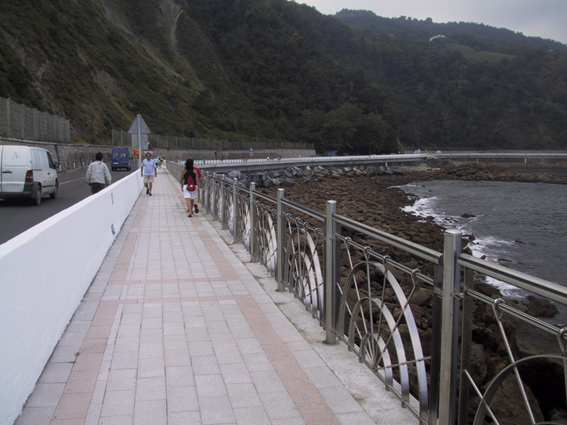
x,y
39,293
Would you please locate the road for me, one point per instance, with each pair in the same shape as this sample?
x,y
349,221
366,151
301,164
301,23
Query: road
x,y
18,215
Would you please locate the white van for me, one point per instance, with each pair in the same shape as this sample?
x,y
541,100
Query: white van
x,y
27,172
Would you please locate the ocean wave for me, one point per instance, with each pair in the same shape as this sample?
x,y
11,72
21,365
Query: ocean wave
x,y
486,247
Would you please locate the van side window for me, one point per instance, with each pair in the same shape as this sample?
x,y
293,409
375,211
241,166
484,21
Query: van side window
x,y
50,161
44,159
36,159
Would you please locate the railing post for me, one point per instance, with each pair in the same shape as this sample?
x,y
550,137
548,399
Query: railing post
x,y
281,236
205,193
449,328
332,262
235,218
253,240
466,343
222,198
214,203
435,370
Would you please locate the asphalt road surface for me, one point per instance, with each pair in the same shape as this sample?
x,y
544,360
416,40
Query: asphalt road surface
x,y
18,215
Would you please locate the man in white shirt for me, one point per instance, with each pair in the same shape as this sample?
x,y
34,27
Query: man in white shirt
x,y
98,176
149,172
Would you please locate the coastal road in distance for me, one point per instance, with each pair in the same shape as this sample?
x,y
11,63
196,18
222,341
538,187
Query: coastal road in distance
x,y
18,215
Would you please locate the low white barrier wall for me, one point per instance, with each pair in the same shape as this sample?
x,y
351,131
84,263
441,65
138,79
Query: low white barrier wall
x,y
44,274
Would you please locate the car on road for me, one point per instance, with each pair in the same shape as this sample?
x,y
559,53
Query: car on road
x,y
120,158
27,172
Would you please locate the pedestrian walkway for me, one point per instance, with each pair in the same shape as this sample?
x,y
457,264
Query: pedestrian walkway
x,y
179,327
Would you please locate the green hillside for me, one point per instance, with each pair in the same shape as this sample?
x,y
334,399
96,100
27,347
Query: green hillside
x,y
470,53
277,70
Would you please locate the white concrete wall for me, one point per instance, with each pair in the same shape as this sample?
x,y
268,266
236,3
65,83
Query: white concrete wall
x,y
44,274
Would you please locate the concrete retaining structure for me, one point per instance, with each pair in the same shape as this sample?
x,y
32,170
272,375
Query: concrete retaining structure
x,y
39,293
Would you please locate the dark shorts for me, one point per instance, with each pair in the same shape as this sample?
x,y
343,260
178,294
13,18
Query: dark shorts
x,y
97,187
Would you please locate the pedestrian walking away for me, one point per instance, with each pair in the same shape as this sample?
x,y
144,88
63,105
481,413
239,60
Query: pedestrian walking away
x,y
149,172
190,181
98,176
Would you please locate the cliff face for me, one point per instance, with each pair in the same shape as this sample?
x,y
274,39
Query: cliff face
x,y
100,62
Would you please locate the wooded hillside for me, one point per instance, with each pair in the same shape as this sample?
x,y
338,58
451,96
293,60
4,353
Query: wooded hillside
x,y
277,70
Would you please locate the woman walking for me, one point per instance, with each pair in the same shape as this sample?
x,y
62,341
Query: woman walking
x,y
190,180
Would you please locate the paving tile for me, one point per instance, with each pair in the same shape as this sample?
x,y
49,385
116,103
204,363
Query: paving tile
x,y
210,386
177,358
360,418
118,403
235,373
121,379
151,368
175,342
205,366
116,420
340,400
153,412
279,405
36,416
124,360
267,382
182,399
46,395
201,348
180,376
151,335
322,377
251,416
73,406
216,410
184,418
151,350
243,395
56,373
150,389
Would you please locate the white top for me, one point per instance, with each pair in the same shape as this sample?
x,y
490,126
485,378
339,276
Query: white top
x,y
98,173
149,166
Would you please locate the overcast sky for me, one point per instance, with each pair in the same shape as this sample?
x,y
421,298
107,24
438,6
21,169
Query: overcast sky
x,y
540,18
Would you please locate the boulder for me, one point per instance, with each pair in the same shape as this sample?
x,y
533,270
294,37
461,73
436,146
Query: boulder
x,y
422,296
488,290
508,404
478,366
541,307
234,174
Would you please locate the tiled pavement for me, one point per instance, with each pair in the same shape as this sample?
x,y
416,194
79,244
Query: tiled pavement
x,y
179,327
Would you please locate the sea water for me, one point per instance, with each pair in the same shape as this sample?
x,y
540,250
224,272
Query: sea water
x,y
522,226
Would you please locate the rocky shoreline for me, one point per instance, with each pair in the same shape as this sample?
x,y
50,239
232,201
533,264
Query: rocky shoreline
x,y
365,194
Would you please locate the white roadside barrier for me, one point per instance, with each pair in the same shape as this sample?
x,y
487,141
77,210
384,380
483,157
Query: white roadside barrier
x,y
44,274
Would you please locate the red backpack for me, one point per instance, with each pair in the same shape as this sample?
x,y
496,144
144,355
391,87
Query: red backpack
x,y
190,183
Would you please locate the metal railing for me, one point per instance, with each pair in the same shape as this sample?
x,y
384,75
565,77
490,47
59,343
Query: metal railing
x,y
362,285
20,122
311,159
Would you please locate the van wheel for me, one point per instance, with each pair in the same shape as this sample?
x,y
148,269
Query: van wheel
x,y
37,199
55,191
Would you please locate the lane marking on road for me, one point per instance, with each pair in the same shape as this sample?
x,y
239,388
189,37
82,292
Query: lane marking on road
x,y
74,180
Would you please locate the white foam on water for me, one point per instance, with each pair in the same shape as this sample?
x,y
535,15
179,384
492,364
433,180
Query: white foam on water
x,y
491,248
